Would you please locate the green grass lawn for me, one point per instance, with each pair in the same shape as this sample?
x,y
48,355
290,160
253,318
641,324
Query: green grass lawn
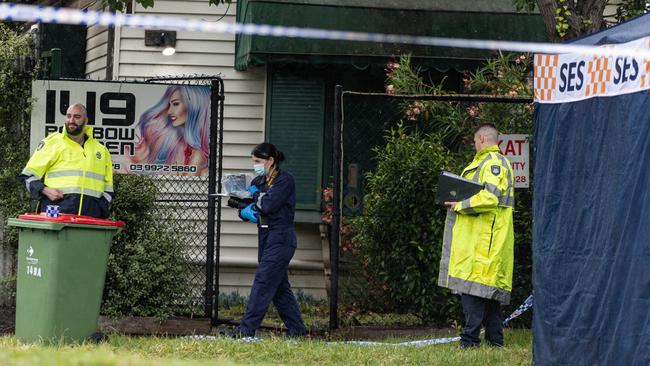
x,y
128,351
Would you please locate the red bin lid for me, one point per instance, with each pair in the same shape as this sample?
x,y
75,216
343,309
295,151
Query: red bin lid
x,y
71,219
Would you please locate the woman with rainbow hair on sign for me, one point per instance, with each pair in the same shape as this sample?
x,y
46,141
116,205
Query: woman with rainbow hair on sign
x,y
176,131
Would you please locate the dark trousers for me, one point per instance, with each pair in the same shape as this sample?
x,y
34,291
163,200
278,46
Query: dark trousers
x,y
479,311
276,248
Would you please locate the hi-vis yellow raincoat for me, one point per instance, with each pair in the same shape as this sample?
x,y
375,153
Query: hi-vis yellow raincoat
x,y
478,244
83,173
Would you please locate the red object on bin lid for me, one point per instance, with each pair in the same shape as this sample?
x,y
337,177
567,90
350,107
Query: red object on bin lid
x,y
71,219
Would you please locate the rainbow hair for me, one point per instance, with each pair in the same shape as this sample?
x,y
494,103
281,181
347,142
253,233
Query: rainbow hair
x,y
161,141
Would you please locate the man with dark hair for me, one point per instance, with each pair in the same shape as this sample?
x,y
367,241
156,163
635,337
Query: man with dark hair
x,y
71,169
478,245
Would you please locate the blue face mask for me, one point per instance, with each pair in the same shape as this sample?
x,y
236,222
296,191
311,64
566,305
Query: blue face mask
x,y
259,169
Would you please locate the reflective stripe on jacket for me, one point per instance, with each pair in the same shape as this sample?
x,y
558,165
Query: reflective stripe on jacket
x,y
61,163
478,245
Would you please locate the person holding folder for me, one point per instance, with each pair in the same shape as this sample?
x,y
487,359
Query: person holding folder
x,y
478,244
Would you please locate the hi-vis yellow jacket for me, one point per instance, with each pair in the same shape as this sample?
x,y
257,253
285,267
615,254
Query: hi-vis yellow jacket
x,y
478,245
83,174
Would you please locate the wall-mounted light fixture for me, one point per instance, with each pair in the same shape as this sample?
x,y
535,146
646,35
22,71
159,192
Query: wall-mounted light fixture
x,y
161,38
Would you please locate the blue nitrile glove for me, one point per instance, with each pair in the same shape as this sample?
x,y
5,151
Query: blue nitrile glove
x,y
252,190
249,213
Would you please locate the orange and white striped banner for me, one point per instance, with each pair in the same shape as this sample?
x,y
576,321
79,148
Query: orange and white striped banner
x,y
570,77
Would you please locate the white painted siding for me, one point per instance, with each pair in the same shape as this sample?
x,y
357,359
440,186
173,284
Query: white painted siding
x,y
96,45
213,54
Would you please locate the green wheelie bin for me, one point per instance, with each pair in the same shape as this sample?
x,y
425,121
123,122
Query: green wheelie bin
x,y
61,270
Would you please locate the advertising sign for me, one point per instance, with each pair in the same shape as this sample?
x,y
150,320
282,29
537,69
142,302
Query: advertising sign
x,y
155,129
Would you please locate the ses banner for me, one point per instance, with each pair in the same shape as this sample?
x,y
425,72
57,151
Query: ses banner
x,y
155,129
516,148
569,77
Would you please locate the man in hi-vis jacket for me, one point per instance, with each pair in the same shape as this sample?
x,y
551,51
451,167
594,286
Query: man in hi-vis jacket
x,y
71,169
478,245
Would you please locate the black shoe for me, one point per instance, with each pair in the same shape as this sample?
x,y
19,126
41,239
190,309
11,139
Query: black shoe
x,y
467,345
236,333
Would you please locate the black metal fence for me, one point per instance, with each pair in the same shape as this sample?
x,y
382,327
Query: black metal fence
x,y
190,205
361,123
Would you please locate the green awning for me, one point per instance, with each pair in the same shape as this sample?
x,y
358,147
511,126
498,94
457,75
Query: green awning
x,y
450,18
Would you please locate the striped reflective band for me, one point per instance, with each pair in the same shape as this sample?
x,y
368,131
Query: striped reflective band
x,y
75,173
107,197
503,200
443,275
108,188
465,207
79,190
29,181
30,173
477,173
508,199
479,289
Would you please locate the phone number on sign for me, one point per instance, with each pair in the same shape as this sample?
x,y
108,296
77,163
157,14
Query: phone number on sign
x,y
162,168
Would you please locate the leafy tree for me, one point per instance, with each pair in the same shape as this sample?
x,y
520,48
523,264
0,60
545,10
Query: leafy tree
x,y
568,19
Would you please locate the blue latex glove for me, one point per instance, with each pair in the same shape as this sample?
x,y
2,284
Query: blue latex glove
x,y
252,190
249,213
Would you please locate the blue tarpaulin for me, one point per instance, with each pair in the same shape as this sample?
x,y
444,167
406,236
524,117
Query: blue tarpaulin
x,y
591,235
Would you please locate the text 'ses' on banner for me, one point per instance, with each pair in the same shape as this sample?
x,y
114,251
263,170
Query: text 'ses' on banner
x,y
562,78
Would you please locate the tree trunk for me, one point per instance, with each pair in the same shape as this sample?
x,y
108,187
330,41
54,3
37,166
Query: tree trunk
x,y
581,11
547,10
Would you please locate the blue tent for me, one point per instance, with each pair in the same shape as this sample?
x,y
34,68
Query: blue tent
x,y
591,233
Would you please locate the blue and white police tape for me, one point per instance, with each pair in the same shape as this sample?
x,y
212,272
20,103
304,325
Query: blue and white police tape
x,y
527,304
198,337
32,13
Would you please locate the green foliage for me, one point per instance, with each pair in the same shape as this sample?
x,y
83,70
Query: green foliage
x,y
628,9
400,233
147,271
399,243
570,19
15,104
524,5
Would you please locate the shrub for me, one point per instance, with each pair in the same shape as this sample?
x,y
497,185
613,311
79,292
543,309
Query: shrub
x,y
15,104
399,242
147,271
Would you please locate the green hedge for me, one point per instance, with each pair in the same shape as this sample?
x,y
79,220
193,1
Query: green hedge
x,y
147,270
15,105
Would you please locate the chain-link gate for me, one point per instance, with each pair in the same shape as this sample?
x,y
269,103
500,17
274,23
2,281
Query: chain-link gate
x,y
191,206
361,123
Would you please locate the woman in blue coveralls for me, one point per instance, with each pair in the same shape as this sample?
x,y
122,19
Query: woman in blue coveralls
x,y
273,209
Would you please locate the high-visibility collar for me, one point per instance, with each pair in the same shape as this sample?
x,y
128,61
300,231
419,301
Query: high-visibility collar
x,y
88,131
484,151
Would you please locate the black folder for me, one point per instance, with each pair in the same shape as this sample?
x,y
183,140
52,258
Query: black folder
x,y
452,187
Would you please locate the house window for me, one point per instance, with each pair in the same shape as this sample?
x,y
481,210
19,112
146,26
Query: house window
x,y
295,119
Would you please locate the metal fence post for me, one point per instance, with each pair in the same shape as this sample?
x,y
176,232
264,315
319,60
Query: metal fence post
x,y
221,97
212,182
336,208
